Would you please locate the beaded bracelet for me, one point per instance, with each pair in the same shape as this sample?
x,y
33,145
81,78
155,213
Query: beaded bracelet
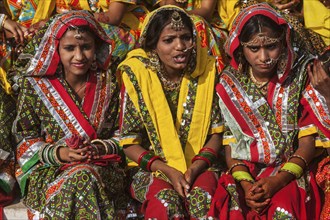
x,y
293,169
242,176
235,165
300,157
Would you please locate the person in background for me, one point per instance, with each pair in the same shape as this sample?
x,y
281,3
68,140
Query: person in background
x,y
67,112
316,98
270,140
8,187
121,19
170,124
317,18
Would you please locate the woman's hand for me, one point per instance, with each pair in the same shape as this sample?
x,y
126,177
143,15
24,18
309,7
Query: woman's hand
x,y
194,171
16,29
319,79
69,155
285,5
178,181
255,202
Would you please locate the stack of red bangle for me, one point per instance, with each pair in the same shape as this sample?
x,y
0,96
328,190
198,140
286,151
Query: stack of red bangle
x,y
146,159
206,154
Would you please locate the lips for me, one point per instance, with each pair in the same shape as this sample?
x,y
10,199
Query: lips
x,y
180,58
79,65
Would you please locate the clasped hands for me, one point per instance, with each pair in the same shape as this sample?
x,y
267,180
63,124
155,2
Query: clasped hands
x,y
182,182
258,194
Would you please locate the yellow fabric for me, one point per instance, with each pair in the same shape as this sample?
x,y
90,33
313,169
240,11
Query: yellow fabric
x,y
307,131
159,110
317,18
4,82
228,12
44,10
322,144
131,20
217,130
227,141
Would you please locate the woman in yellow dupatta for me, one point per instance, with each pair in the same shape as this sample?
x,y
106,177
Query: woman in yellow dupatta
x,y
170,124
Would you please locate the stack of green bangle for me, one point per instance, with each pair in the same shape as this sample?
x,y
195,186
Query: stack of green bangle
x,y
47,154
293,168
144,159
242,176
208,155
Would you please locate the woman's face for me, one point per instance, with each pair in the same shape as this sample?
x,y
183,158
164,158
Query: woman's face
x,y
263,53
76,54
171,48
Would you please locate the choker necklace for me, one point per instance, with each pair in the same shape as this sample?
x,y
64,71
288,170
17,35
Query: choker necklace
x,y
260,85
167,83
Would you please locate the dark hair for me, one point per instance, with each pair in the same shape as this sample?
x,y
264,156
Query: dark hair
x,y
252,27
86,29
156,26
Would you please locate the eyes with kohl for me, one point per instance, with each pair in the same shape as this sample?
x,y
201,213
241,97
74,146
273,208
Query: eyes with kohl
x,y
76,55
263,53
172,48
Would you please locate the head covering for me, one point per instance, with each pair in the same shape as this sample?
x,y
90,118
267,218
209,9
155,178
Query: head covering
x,y
143,86
201,49
243,17
40,57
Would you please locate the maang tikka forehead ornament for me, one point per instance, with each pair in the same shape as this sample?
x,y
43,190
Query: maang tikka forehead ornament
x,y
261,39
176,21
71,27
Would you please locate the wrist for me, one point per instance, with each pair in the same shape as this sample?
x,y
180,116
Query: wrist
x,y
3,19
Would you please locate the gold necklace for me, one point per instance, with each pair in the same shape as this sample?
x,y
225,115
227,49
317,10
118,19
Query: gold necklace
x,y
256,82
168,84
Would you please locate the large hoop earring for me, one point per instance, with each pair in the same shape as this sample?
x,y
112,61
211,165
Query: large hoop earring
x,y
154,62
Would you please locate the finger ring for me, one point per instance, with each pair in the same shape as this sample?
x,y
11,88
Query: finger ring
x,y
286,11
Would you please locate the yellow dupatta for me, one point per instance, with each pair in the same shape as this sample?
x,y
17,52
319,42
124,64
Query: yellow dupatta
x,y
157,106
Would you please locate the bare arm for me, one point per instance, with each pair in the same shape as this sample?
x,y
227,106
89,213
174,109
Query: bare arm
x,y
200,166
178,181
114,15
206,10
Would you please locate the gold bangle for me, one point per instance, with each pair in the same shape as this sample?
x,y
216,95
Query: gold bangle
x,y
300,157
56,158
104,143
235,165
40,153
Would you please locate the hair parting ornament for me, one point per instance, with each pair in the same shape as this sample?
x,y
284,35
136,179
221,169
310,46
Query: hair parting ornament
x,y
78,35
176,21
261,39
